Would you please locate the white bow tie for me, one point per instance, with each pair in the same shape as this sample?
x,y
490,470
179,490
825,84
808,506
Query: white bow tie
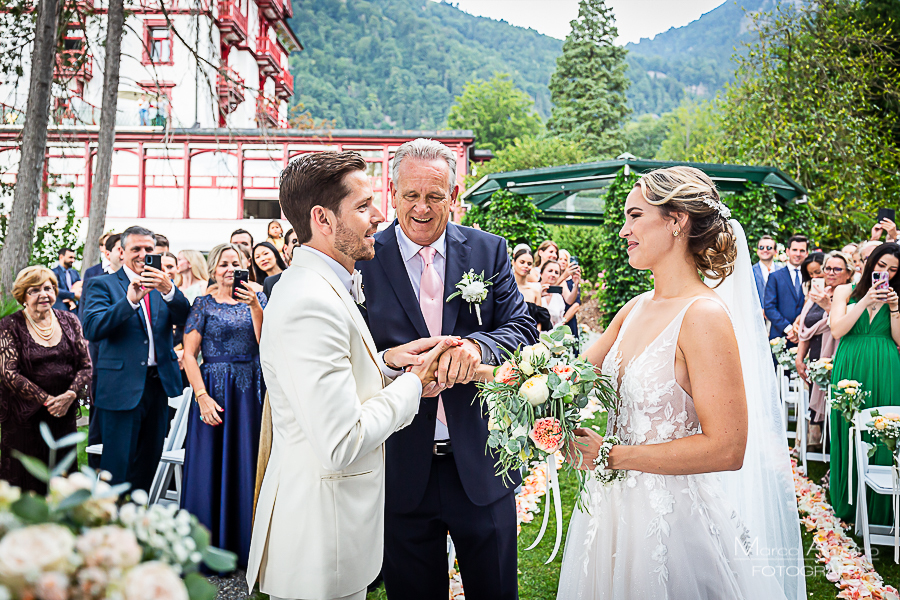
x,y
356,287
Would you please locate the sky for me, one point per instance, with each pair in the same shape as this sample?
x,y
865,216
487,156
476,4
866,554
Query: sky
x,y
635,19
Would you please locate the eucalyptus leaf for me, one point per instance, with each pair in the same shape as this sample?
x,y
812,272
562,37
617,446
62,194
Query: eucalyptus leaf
x,y
36,467
74,499
31,509
48,436
218,560
199,588
71,440
64,464
200,535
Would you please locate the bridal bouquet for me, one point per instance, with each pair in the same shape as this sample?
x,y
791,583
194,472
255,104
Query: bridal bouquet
x,y
886,429
79,543
848,398
784,355
820,372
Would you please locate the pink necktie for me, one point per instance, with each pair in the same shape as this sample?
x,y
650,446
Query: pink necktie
x,y
431,292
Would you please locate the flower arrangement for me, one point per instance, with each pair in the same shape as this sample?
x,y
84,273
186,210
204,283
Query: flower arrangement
x,y
886,429
474,289
820,372
535,399
780,254
848,398
79,543
784,355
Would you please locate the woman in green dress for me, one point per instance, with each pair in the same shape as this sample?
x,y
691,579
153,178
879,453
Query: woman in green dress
x,y
866,320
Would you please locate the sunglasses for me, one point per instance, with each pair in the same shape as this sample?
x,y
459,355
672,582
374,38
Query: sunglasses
x,y
765,247
834,270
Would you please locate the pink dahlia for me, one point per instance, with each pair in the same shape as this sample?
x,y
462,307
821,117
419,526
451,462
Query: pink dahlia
x,y
506,374
547,434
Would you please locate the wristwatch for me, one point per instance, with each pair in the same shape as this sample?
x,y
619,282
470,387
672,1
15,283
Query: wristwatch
x,y
487,357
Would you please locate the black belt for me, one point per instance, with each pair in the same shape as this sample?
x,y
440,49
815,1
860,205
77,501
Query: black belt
x,y
442,448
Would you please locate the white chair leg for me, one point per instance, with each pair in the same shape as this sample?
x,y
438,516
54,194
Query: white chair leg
x,y
160,481
177,470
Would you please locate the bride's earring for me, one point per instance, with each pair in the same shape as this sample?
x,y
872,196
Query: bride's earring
x,y
676,232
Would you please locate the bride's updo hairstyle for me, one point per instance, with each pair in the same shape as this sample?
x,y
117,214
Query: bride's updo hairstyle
x,y
690,191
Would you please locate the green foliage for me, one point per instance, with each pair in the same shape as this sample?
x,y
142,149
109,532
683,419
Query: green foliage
x,y
589,83
759,213
510,216
643,136
532,153
621,282
398,64
802,101
496,111
692,129
60,232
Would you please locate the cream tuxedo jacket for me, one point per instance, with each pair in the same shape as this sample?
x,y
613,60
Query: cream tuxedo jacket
x,y
318,527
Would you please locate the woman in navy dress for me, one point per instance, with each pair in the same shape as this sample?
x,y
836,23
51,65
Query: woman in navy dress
x,y
223,427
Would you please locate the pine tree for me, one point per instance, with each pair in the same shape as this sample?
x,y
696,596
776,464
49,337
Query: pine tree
x,y
589,83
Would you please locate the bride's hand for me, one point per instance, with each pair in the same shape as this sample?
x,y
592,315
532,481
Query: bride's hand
x,y
587,443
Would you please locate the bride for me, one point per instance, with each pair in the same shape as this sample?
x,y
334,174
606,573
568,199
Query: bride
x,y
701,500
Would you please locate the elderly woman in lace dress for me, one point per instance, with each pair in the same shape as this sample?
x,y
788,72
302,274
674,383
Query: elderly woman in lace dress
x,y
44,369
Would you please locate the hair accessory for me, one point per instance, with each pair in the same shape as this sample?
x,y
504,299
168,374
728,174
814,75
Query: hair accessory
x,y
718,205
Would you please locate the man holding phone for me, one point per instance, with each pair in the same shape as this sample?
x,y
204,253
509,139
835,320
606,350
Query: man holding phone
x,y
129,315
886,223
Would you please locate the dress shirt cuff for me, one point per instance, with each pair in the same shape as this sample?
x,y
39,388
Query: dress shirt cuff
x,y
169,296
789,329
133,305
389,372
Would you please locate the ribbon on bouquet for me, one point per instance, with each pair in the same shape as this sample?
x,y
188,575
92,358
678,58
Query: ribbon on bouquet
x,y
895,500
552,490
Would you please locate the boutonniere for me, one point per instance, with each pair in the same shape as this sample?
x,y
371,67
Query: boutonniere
x,y
473,289
356,288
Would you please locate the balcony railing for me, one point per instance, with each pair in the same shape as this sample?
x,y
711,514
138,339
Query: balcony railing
x,y
230,87
284,85
268,56
267,114
73,64
232,23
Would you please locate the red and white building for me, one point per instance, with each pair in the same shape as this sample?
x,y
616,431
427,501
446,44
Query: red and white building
x,y
218,72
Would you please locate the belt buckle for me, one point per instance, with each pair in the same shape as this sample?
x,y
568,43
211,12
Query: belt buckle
x,y
442,449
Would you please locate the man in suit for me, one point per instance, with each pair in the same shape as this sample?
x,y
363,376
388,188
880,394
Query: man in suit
x,y
290,242
68,278
765,252
439,477
318,527
97,269
784,294
130,315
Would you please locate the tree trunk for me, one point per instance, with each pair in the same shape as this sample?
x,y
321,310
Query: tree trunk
x,y
16,250
107,135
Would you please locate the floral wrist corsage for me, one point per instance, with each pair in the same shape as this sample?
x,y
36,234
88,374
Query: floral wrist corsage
x,y
601,473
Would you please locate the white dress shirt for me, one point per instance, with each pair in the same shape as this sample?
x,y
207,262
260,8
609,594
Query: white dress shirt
x,y
151,358
340,270
796,278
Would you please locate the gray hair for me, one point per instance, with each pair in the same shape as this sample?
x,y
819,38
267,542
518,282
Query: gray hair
x,y
135,230
424,149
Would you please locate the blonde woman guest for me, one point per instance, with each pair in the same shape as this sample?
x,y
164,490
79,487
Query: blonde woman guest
x,y
552,301
548,250
276,237
193,274
44,369
522,264
224,424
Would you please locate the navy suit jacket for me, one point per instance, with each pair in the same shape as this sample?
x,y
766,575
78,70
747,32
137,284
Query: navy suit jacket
x,y
120,333
95,271
64,292
394,317
783,303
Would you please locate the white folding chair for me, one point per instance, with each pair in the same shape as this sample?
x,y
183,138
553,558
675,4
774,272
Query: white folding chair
x,y
823,456
172,459
789,389
882,480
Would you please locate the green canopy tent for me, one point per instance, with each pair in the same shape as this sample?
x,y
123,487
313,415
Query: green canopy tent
x,y
574,194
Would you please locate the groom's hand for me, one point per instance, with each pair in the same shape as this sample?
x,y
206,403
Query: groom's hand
x,y
412,353
458,365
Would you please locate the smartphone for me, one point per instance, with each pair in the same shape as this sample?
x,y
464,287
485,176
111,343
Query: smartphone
x,y
241,276
818,284
886,213
555,289
880,280
573,260
154,260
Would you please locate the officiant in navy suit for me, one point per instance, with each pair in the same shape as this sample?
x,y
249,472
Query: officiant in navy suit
x,y
784,293
136,372
438,477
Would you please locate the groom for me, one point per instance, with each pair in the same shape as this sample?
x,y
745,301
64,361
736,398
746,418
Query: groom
x,y
439,477
317,532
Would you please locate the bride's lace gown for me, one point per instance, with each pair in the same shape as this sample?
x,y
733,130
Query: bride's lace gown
x,y
658,536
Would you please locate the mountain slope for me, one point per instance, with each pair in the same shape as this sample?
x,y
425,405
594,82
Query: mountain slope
x,y
399,63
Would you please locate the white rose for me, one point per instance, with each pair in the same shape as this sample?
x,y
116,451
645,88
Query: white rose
x,y
93,510
475,289
35,549
8,493
525,362
851,390
109,547
154,580
535,390
92,581
52,586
